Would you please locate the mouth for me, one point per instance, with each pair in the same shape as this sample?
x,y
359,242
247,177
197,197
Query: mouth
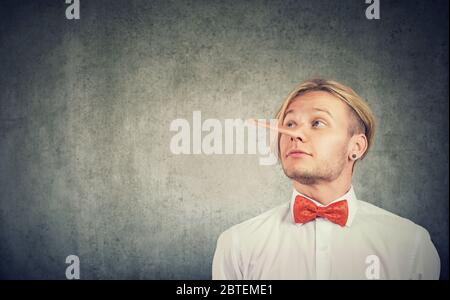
x,y
297,153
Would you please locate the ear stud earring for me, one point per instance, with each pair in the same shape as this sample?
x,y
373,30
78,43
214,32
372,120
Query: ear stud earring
x,y
354,156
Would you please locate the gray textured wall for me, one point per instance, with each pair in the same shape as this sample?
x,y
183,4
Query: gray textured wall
x,y
85,166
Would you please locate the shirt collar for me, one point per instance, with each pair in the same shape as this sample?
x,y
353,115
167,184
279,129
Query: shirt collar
x,y
350,196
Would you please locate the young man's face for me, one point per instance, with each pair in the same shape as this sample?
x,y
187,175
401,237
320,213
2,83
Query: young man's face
x,y
324,137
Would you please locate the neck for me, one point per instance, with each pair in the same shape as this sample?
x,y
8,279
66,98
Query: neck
x,y
324,192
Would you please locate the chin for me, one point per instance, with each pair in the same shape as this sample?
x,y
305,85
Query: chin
x,y
294,165
295,171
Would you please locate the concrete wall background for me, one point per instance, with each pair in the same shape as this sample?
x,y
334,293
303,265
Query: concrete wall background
x,y
85,108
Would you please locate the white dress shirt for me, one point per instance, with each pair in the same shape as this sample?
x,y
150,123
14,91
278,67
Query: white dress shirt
x,y
373,244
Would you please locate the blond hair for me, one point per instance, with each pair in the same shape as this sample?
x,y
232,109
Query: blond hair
x,y
363,120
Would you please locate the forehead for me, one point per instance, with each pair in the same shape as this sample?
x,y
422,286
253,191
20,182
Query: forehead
x,y
318,99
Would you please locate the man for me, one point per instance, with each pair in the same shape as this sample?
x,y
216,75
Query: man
x,y
325,231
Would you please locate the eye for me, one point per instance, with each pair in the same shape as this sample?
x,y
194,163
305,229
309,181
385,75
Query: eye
x,y
314,123
290,124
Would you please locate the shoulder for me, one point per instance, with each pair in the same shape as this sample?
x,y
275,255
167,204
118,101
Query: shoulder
x,y
388,223
401,238
260,225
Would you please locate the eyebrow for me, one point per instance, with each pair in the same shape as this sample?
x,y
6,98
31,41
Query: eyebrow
x,y
314,108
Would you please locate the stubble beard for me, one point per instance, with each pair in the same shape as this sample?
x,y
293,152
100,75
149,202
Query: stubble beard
x,y
321,171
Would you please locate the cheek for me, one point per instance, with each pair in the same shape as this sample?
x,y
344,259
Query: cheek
x,y
284,143
330,145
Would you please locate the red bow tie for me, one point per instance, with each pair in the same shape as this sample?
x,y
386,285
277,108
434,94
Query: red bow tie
x,y
305,210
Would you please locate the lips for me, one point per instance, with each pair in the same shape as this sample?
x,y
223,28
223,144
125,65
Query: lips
x,y
297,153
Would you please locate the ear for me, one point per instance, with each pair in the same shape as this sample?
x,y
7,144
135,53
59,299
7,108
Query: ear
x,y
357,146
